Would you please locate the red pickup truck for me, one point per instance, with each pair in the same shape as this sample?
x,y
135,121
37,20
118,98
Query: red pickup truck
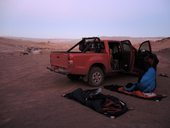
x,y
92,59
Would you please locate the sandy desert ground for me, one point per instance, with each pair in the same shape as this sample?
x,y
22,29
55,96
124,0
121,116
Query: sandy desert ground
x,y
30,95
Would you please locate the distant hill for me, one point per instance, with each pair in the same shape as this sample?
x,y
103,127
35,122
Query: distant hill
x,y
133,40
161,44
49,40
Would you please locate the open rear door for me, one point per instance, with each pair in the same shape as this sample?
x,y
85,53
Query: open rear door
x,y
126,57
145,46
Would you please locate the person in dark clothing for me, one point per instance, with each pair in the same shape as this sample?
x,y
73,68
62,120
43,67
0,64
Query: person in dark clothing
x,y
105,104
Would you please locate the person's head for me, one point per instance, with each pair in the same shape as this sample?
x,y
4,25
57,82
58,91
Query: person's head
x,y
150,60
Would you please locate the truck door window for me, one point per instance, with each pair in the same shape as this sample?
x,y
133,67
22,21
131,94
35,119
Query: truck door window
x,y
126,47
145,46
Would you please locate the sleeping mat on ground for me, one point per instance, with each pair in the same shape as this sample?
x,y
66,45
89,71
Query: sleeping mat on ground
x,y
107,105
136,93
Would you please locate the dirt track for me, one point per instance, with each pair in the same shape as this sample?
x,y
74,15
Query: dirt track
x,y
30,97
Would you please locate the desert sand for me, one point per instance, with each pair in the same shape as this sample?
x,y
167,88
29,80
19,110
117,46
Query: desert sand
x,y
30,95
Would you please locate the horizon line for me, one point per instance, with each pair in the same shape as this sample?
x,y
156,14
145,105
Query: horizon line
x,y
68,38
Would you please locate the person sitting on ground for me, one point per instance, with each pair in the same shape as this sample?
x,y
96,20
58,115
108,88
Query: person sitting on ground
x,y
147,82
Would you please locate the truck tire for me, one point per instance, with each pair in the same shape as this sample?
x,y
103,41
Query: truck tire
x,y
73,77
95,76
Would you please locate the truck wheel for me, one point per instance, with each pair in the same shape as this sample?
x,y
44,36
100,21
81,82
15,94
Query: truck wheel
x,y
73,77
96,76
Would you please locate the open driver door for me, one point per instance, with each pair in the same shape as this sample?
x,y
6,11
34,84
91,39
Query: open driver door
x,y
143,51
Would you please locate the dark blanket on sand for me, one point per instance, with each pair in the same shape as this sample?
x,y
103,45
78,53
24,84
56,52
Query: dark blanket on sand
x,y
107,105
138,94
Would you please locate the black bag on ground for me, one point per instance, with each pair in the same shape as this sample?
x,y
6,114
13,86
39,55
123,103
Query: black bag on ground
x,y
104,104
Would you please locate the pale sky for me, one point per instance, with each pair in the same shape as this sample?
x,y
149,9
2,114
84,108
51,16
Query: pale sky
x,y
80,18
